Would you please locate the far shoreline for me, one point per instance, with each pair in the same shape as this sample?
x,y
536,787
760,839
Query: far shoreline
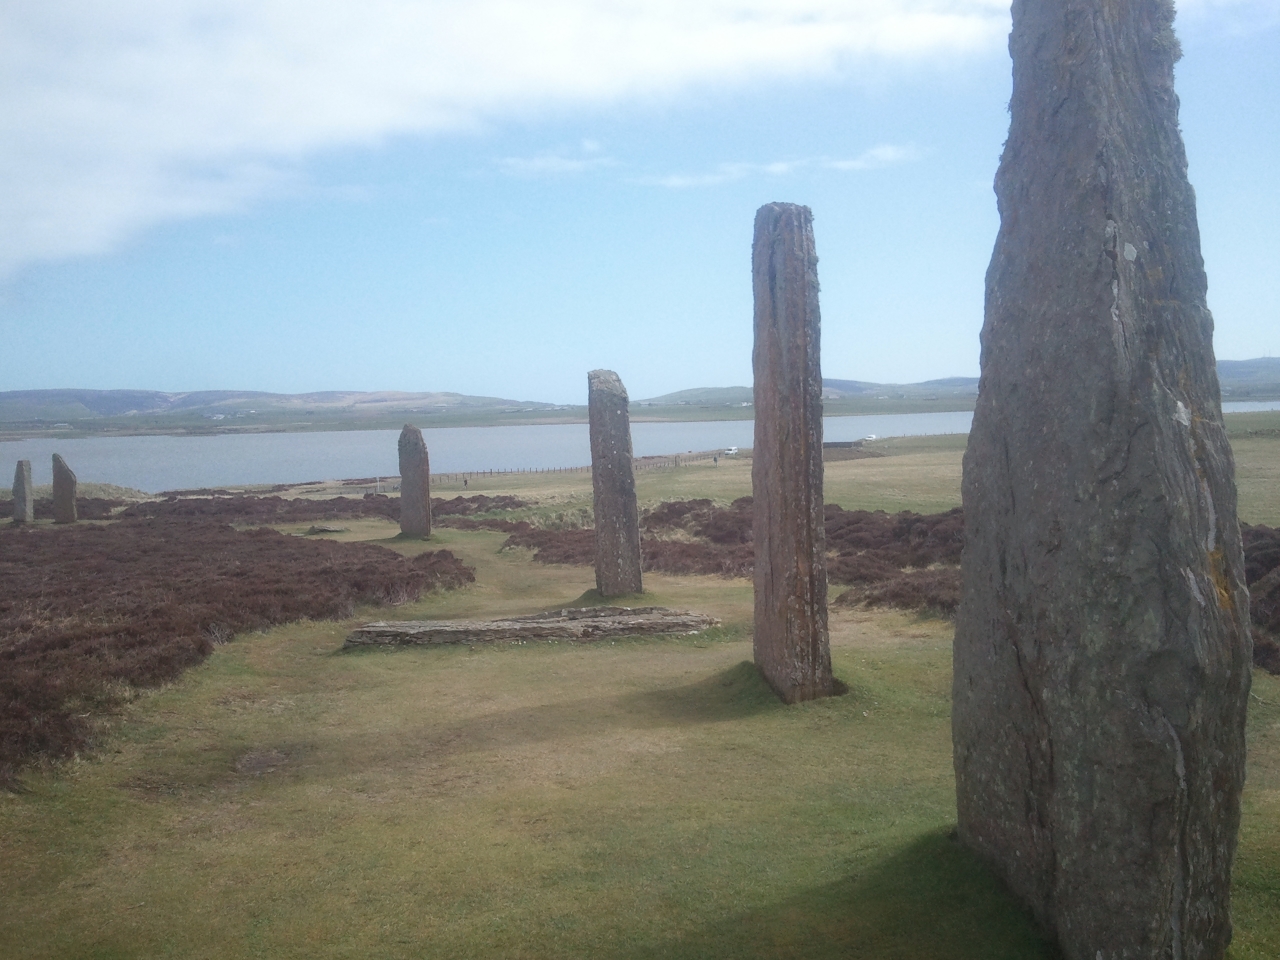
x,y
138,426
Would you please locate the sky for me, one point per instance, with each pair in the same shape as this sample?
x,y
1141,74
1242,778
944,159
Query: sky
x,y
493,197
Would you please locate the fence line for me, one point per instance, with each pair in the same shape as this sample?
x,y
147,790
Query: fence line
x,y
637,463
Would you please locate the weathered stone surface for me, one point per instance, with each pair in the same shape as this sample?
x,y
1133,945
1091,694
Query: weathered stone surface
x,y
614,485
576,623
1102,648
791,646
24,504
415,484
64,492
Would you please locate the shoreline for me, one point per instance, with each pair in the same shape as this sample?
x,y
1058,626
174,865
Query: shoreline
x,y
640,413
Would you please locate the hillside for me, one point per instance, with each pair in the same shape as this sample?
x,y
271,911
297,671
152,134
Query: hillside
x,y
71,412
1257,379
88,404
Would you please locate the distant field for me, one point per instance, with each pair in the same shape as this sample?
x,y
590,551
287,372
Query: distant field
x,y
636,799
79,413
327,420
919,473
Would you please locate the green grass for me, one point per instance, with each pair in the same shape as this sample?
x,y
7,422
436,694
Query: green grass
x,y
919,473
630,799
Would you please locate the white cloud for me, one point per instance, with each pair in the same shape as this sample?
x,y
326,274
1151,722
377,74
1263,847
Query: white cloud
x,y
557,164
117,116
883,155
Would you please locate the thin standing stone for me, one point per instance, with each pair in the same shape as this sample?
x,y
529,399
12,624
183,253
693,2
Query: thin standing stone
x,y
64,492
791,646
415,484
1102,652
613,484
24,505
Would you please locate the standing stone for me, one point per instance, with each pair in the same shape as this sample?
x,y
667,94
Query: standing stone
x,y
791,648
614,486
64,492
1102,644
415,484
24,505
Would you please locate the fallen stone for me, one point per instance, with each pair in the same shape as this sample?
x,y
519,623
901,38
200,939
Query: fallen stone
x,y
316,528
64,492
791,645
617,517
576,623
24,504
415,484
1102,641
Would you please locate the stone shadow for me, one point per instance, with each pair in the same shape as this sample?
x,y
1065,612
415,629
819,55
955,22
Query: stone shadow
x,y
931,899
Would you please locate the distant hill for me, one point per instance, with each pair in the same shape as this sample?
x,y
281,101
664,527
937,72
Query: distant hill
x,y
31,405
1257,379
1250,379
1240,380
947,387
831,389
702,396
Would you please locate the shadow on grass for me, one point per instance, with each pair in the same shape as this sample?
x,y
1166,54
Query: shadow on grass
x,y
737,693
730,694
594,598
932,899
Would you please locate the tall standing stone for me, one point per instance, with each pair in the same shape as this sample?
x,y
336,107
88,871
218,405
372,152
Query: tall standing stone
x,y
1102,646
415,484
614,486
24,505
791,646
64,492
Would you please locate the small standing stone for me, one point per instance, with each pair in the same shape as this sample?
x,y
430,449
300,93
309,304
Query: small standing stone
x,y
614,485
24,505
415,484
64,492
791,645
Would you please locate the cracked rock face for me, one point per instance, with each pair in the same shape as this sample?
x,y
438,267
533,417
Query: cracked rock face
x,y
24,504
790,634
64,492
415,484
1102,648
617,516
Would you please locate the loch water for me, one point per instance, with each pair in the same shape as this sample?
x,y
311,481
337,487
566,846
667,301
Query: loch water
x,y
183,462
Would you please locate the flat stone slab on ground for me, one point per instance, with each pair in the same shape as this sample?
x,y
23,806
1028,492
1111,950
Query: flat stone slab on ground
x,y
575,623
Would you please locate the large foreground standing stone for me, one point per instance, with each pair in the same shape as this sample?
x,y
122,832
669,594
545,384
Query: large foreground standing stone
x,y
24,504
1102,649
64,492
614,486
791,647
415,484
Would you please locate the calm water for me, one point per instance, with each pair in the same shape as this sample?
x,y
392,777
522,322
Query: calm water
x,y
174,463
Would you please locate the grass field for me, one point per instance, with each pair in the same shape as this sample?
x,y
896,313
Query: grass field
x,y
636,799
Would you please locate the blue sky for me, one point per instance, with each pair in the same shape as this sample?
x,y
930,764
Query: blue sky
x,y
494,197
